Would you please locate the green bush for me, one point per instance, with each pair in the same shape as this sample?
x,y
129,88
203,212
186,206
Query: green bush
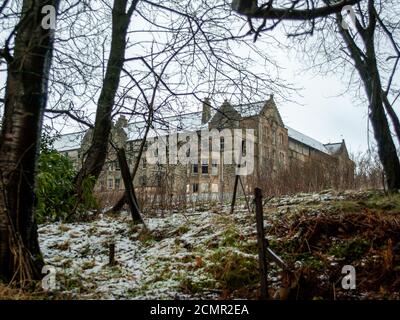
x,y
55,188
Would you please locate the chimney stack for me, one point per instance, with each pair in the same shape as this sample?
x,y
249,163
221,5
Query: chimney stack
x,y
206,112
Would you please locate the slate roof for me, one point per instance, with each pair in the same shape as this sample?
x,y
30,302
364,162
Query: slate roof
x,y
173,124
298,136
190,122
333,148
250,109
68,142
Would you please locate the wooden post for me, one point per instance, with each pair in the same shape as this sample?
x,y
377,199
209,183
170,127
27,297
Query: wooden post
x,y
129,190
245,195
111,256
261,243
237,177
234,193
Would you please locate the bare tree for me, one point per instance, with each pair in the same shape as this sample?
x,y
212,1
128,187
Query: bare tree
x,y
183,51
96,155
362,51
28,54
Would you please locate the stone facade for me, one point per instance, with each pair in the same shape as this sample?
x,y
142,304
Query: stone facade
x,y
276,148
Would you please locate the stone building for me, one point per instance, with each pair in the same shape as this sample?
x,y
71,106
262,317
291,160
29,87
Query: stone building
x,y
282,155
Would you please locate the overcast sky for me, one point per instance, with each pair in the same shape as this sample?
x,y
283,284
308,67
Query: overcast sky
x,y
325,114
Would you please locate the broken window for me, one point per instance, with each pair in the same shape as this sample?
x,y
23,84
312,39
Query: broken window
x,y
110,183
117,183
204,166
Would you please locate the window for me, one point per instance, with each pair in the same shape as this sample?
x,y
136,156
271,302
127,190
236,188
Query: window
x,y
195,187
274,137
102,184
214,168
117,165
144,163
204,187
243,147
222,144
281,138
111,166
117,183
204,166
195,168
110,183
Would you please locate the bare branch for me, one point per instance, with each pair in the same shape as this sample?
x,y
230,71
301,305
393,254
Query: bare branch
x,y
290,13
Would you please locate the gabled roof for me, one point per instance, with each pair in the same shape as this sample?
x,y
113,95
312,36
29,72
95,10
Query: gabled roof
x,y
333,148
192,122
173,124
250,109
298,136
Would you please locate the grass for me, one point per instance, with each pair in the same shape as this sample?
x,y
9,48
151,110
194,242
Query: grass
x,y
88,264
233,270
376,202
350,250
196,286
61,246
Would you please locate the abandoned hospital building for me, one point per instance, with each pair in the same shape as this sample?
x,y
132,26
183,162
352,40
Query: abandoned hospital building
x,y
282,155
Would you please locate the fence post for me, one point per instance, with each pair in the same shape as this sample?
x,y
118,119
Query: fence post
x,y
111,255
261,243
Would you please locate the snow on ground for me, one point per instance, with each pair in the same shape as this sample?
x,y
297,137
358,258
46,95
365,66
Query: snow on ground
x,y
150,264
207,252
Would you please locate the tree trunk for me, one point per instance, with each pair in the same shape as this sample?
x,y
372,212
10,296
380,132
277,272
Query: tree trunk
x,y
393,116
121,202
386,147
97,152
25,101
368,70
129,189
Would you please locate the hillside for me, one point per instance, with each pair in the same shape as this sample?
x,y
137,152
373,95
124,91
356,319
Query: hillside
x,y
209,254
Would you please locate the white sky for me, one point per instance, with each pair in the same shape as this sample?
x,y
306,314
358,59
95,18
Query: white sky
x,y
325,113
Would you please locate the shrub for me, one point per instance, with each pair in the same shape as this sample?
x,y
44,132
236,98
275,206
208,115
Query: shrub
x,y
55,188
